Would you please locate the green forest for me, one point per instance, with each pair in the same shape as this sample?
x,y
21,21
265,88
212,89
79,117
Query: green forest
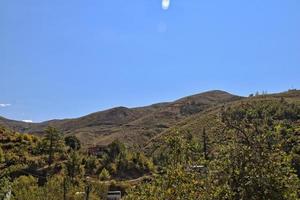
x,y
246,150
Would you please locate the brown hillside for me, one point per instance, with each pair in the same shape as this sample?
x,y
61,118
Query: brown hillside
x,y
134,126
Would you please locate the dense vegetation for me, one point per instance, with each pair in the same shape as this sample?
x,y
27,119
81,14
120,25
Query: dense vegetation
x,y
53,167
245,150
254,156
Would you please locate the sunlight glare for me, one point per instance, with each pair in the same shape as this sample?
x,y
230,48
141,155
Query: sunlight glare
x,y
165,4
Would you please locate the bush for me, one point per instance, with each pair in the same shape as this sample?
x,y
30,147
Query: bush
x,y
104,175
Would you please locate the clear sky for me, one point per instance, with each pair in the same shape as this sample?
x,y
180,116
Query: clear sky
x,y
67,58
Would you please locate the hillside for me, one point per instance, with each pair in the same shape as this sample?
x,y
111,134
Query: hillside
x,y
129,125
201,143
209,119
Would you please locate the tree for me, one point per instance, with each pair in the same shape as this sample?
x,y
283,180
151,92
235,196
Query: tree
x,y
91,165
73,142
251,163
26,188
73,166
52,143
104,175
54,188
115,149
177,180
251,160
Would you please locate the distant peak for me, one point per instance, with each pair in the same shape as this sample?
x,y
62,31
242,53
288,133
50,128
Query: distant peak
x,y
216,92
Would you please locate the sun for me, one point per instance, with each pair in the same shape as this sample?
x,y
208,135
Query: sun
x,y
165,4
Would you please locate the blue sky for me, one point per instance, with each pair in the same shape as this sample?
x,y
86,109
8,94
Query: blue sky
x,y
62,59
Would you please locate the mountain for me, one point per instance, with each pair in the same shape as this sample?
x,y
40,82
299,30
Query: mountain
x,y
133,126
209,119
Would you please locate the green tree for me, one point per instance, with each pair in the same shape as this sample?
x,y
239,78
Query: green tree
x,y
251,163
104,175
73,166
52,143
115,149
54,188
73,142
91,165
26,188
251,160
177,180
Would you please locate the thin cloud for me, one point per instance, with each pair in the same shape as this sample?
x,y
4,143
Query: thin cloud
x,y
27,121
3,105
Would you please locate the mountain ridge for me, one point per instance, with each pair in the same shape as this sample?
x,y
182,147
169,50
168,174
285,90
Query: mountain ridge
x,y
130,125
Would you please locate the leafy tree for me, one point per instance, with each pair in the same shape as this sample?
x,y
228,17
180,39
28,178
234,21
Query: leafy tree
x,y
73,142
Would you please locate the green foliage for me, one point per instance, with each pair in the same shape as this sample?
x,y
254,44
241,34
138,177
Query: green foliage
x,y
253,158
2,156
177,180
254,155
101,190
5,187
104,175
52,143
73,142
26,188
241,172
180,149
91,165
254,162
115,149
73,166
120,162
54,188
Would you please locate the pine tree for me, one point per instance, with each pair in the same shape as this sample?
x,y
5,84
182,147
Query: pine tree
x,y
53,143
73,166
